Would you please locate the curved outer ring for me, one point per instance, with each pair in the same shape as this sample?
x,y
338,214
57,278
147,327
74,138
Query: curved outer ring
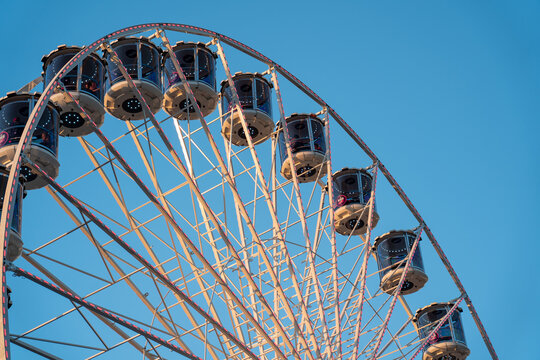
x,y
38,110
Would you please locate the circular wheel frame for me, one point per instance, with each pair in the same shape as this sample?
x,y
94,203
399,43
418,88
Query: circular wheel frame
x,y
257,270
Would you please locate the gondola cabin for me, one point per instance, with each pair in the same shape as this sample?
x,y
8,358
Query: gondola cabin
x,y
198,64
305,133
352,191
393,249
15,243
449,341
15,110
84,84
254,95
142,61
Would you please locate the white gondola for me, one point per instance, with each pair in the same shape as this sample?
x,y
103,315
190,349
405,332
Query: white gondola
x,y
392,250
142,60
15,243
352,191
85,83
43,150
308,147
449,341
198,63
254,95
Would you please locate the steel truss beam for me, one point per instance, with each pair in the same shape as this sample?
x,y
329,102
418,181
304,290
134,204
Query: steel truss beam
x,y
192,247
66,288
241,207
162,277
101,311
33,349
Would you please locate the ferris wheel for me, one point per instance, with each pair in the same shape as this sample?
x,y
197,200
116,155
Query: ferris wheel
x,y
181,216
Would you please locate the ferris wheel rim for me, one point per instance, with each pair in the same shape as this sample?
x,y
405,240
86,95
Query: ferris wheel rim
x,y
88,50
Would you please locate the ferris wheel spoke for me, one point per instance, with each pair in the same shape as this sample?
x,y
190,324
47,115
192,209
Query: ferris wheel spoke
x,y
62,285
109,145
199,334
33,349
90,235
207,265
349,317
193,187
363,270
91,326
212,241
81,346
335,255
123,276
140,133
320,223
56,239
102,312
397,292
286,339
396,336
71,267
310,260
136,134
153,348
119,198
182,136
312,193
354,284
237,199
166,205
368,348
257,313
134,254
114,328
416,214
241,207
224,237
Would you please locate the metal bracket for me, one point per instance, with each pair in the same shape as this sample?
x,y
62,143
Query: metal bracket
x,y
31,85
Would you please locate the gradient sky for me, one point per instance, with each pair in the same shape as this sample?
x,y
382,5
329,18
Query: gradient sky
x,y
446,93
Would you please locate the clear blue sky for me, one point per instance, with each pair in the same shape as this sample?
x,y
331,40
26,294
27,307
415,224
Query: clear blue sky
x,y
445,92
